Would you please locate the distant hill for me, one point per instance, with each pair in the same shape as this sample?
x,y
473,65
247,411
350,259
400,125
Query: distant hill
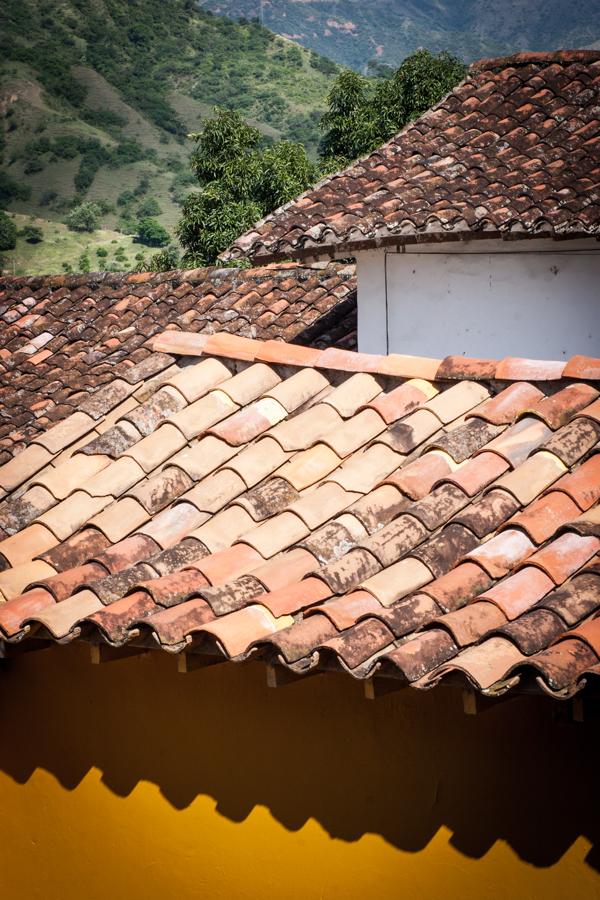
x,y
353,32
97,97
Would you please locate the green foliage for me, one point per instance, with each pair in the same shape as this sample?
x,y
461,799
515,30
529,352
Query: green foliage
x,y
362,114
179,186
48,197
417,85
85,217
83,263
11,190
152,233
322,64
242,181
164,260
148,207
102,252
224,145
210,222
126,198
8,233
105,119
104,206
349,123
32,234
32,166
396,28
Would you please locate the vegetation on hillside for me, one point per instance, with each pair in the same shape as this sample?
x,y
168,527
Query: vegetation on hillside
x,y
86,160
353,32
97,97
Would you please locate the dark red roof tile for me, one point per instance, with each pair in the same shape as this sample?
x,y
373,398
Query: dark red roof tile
x,y
416,657
533,97
533,631
117,323
561,665
573,441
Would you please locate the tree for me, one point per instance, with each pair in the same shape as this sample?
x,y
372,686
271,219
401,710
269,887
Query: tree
x,y
349,123
241,180
152,233
364,113
8,232
211,220
85,217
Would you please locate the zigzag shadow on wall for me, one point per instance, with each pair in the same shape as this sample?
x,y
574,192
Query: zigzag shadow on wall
x,y
401,766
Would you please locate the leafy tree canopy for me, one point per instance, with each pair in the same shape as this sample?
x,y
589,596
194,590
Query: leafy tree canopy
x,y
8,232
242,180
152,233
364,113
85,217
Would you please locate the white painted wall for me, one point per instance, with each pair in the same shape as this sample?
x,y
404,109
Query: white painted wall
x,y
537,299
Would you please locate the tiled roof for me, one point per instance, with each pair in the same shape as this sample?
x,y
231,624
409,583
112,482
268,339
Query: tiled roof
x,y
61,336
512,150
399,516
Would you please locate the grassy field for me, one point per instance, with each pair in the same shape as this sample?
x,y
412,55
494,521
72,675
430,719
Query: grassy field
x,y
61,245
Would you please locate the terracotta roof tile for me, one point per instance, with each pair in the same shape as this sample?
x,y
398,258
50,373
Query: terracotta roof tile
x,y
525,141
318,541
90,337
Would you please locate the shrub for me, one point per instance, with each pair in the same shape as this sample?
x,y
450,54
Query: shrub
x,y
165,260
126,198
83,263
102,252
32,234
11,190
48,197
32,166
148,207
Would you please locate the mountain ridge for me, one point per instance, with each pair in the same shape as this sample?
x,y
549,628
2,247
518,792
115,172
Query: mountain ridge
x,y
97,98
353,33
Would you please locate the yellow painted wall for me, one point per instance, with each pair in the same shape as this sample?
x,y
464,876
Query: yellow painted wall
x,y
128,780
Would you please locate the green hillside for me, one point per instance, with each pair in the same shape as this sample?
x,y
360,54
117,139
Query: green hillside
x,y
97,98
354,32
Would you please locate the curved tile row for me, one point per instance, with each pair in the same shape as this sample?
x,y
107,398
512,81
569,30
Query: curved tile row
x,y
315,517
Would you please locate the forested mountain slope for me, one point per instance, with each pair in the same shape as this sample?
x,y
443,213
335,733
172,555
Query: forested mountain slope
x,y
97,97
353,32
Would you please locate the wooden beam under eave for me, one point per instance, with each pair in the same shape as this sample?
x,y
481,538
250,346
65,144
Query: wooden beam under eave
x,y
104,653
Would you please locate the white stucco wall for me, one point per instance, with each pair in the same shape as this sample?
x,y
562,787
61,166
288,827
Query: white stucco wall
x,y
483,298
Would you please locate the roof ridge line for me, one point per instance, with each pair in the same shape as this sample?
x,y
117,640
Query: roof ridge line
x,y
529,57
396,365
75,280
